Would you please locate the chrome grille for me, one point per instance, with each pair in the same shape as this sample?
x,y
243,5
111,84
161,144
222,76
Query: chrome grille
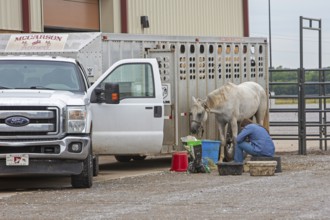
x,y
42,121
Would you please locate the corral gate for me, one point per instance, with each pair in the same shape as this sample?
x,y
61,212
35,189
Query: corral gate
x,y
308,119
192,66
302,117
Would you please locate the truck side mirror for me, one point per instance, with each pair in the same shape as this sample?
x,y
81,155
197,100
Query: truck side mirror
x,y
96,96
111,93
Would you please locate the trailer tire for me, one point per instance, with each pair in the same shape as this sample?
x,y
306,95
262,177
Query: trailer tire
x,y
85,178
123,158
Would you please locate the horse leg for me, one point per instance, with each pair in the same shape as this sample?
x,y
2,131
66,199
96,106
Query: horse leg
x,y
229,143
261,112
234,130
231,140
222,131
259,118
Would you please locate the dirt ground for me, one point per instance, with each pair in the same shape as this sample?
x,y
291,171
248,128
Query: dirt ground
x,y
300,191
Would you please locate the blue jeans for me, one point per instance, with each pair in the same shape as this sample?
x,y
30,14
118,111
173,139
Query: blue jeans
x,y
244,147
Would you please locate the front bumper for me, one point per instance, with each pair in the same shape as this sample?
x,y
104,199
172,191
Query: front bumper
x,y
43,167
57,161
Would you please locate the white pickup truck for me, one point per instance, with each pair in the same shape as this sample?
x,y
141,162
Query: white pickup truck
x,y
49,115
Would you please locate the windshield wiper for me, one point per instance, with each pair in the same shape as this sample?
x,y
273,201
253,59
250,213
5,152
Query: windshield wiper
x,y
35,87
2,87
40,87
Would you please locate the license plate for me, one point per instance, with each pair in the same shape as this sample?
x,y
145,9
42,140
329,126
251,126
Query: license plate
x,y
17,160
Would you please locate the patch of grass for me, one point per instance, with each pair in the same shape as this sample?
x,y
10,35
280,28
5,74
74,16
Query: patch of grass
x,y
286,101
295,101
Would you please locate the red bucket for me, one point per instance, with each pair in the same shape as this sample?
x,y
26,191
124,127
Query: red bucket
x,y
179,161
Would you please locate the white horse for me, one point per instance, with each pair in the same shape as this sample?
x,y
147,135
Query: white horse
x,y
231,104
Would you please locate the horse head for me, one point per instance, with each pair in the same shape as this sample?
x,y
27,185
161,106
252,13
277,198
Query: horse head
x,y
198,114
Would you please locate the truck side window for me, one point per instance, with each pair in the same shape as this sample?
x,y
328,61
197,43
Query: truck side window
x,y
134,79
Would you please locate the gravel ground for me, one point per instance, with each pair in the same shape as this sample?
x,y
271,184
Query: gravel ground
x,y
300,191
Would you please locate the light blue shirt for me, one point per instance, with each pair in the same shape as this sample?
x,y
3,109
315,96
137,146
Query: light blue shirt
x,y
259,138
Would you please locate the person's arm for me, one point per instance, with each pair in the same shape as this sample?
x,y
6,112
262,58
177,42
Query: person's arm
x,y
243,134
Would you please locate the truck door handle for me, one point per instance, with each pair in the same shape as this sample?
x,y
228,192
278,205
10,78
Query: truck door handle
x,y
148,107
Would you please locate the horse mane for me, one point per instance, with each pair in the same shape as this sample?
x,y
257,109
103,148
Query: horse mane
x,y
218,96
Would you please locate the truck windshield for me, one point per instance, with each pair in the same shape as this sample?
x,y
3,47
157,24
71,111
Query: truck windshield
x,y
39,74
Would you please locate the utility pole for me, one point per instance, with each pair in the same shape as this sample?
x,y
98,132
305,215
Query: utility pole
x,y
270,37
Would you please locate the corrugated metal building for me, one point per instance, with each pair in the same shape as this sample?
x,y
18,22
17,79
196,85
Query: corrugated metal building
x,y
17,15
161,17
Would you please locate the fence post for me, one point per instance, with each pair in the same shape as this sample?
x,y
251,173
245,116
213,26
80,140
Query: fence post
x,y
301,113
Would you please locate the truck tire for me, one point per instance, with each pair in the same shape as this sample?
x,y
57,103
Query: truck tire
x,y
96,168
85,178
122,158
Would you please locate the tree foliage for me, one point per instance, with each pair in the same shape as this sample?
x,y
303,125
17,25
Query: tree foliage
x,y
288,82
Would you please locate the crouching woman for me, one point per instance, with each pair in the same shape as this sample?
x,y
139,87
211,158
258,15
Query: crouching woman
x,y
254,140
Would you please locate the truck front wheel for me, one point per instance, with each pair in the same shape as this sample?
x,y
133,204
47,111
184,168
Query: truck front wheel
x,y
85,178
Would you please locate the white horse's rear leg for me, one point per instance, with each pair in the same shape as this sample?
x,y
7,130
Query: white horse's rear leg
x,y
262,109
260,116
234,129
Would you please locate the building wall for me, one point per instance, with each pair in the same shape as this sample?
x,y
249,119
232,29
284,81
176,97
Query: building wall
x,y
10,16
110,16
166,17
36,15
187,17
72,14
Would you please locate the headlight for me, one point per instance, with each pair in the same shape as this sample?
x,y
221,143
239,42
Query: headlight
x,y
76,122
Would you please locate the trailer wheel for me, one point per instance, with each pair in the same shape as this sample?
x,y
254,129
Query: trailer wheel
x,y
123,159
85,178
139,158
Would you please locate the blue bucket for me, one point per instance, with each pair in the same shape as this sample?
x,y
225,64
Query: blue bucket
x,y
210,150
